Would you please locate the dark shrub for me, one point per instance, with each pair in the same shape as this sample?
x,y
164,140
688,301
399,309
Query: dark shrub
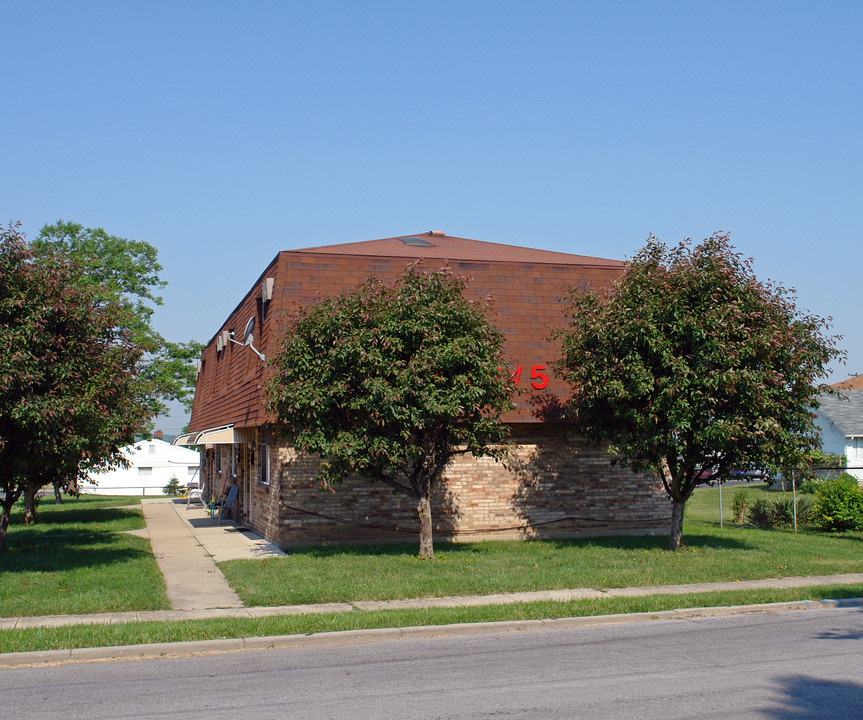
x,y
760,514
766,514
783,511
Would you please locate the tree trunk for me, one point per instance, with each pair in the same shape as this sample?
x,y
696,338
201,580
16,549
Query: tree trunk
x,y
30,505
424,512
71,487
675,540
4,525
58,495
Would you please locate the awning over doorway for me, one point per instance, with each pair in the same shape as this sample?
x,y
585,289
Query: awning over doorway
x,y
224,435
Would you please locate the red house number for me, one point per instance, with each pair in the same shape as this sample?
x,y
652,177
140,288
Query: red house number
x,y
538,379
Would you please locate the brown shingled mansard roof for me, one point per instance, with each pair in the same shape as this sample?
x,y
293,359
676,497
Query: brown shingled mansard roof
x,y
852,383
525,287
436,245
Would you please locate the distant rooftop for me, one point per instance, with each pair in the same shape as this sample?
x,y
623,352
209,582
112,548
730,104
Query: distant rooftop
x,y
439,246
852,383
846,412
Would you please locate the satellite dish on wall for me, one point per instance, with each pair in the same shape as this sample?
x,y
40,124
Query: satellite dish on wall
x,y
248,333
249,338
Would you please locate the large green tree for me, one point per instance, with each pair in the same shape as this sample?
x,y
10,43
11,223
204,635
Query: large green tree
x,y
390,382
692,367
71,393
128,271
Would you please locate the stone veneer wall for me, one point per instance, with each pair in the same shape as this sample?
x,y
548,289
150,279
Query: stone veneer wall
x,y
553,486
265,496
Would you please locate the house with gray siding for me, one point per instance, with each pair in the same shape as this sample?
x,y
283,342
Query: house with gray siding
x,y
841,422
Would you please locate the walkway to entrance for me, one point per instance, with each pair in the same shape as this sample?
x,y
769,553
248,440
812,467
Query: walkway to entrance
x,y
187,546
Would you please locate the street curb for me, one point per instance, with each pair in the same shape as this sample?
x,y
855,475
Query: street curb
x,y
46,658
841,602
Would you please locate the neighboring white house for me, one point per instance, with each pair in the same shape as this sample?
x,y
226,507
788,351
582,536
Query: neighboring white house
x,y
841,423
152,463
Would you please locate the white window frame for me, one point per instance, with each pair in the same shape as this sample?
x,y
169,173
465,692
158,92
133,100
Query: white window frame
x,y
264,475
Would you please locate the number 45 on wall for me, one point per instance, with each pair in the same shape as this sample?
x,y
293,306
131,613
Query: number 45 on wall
x,y
538,379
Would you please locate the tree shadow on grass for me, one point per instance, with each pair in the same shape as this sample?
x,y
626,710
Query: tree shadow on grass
x,y
406,549
853,535
70,515
63,550
646,542
612,542
811,698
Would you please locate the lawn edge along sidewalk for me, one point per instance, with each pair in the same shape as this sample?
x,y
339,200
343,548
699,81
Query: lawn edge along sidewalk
x,y
20,623
212,647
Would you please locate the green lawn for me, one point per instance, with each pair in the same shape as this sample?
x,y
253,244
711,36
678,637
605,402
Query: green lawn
x,y
76,559
330,574
703,506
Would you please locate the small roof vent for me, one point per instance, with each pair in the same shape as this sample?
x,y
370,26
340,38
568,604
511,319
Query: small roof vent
x,y
416,241
437,233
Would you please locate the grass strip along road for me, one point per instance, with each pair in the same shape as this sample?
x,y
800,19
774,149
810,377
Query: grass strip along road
x,y
80,636
77,559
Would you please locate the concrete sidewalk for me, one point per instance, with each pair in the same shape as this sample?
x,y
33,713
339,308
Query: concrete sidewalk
x,y
192,579
436,602
222,541
187,544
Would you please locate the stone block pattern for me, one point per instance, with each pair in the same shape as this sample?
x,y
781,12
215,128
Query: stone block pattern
x,y
553,486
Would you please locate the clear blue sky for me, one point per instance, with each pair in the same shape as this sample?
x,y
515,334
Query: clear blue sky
x,y
224,132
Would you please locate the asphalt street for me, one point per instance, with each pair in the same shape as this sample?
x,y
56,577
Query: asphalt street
x,y
785,665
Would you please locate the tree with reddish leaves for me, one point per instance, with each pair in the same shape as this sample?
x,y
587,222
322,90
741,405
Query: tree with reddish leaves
x,y
128,271
70,391
692,367
391,382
